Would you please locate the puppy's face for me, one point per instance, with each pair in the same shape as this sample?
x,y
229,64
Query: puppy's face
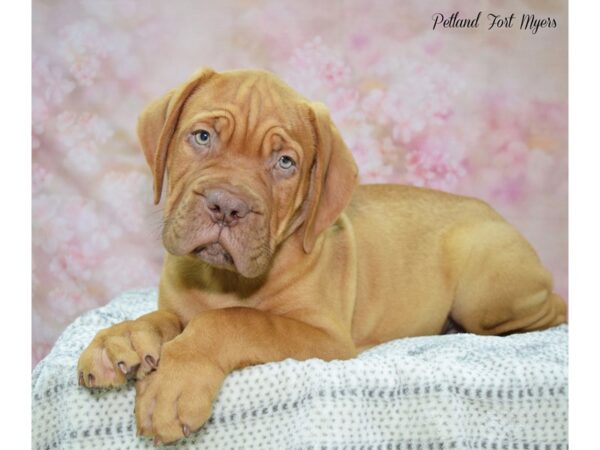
x,y
247,161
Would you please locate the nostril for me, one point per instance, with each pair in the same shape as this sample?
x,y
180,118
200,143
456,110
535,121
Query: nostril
x,y
223,206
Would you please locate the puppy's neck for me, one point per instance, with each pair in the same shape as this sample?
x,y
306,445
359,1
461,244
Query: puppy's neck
x,y
189,274
194,274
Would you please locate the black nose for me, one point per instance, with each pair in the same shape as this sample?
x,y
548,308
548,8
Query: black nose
x,y
225,207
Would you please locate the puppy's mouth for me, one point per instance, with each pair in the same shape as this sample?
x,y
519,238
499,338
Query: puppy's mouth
x,y
214,254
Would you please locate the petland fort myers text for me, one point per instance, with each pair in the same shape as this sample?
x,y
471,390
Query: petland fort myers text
x,y
525,22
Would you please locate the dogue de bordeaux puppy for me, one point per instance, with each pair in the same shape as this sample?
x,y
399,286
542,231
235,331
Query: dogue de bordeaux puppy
x,y
274,252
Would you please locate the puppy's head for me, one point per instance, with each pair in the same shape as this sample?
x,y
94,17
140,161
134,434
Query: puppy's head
x,y
248,163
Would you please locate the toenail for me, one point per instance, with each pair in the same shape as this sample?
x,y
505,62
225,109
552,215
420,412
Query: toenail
x,y
186,430
151,361
157,441
91,379
123,367
81,382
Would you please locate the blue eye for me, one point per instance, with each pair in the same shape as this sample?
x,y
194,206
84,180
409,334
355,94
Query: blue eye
x,y
286,163
201,137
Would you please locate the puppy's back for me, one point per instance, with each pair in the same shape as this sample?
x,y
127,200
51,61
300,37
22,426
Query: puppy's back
x,y
409,206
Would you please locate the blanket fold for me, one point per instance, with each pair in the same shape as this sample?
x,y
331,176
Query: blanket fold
x,y
442,392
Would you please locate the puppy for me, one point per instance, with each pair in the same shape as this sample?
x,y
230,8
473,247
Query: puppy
x,y
273,252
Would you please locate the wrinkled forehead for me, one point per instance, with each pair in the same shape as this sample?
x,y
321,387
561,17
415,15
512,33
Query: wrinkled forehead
x,y
256,102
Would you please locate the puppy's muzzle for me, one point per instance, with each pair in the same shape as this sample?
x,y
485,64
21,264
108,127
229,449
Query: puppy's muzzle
x,y
224,207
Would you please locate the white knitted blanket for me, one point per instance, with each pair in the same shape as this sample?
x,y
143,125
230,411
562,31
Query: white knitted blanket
x,y
444,392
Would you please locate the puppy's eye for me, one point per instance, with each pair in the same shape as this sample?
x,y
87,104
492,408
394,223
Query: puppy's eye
x,y
201,137
285,162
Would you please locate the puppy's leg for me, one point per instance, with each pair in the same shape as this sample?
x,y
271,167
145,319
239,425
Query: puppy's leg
x,y
501,285
177,398
130,348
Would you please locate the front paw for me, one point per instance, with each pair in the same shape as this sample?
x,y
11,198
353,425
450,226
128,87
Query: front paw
x,y
130,349
176,400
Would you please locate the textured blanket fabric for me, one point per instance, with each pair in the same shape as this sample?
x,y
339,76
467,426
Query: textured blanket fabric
x,y
443,392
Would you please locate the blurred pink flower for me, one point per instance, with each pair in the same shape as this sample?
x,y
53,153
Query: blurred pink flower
x,y
107,11
122,272
261,16
83,47
50,88
82,137
72,232
50,82
39,112
315,70
372,167
521,140
82,129
69,300
318,61
436,161
40,178
422,97
124,193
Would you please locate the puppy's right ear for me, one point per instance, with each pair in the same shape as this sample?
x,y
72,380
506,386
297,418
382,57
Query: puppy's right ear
x,y
157,124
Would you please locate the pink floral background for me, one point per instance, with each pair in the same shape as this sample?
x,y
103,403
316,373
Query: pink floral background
x,y
474,112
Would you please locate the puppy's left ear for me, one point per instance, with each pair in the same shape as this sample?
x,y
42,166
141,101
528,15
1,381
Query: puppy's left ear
x,y
158,122
334,175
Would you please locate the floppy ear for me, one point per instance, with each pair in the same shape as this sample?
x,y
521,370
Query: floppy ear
x,y
333,176
158,122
